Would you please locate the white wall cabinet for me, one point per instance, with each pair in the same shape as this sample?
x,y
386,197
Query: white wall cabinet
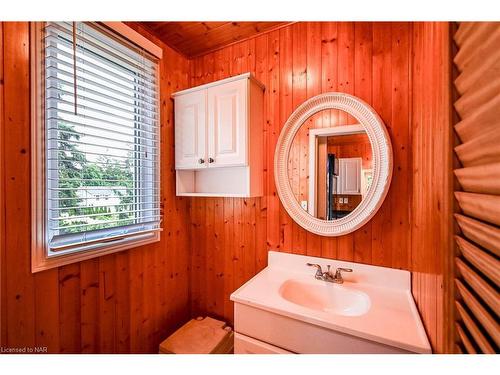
x,y
190,130
227,124
349,181
219,138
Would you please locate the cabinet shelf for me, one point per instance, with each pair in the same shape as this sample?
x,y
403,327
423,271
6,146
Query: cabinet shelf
x,y
218,182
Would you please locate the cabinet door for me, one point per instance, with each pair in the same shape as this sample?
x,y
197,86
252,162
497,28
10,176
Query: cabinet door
x,y
350,176
190,130
227,124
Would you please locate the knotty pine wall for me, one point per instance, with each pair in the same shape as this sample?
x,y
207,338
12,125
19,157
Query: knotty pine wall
x,y
374,61
122,303
432,241
230,237
128,301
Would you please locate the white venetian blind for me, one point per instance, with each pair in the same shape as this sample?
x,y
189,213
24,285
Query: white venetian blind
x,y
102,138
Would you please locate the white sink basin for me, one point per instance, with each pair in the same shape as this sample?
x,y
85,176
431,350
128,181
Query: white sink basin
x,y
371,312
327,297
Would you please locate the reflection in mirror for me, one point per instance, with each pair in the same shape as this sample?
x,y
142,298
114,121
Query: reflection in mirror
x,y
330,165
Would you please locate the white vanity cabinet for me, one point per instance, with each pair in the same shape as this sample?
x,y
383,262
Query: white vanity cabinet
x,y
219,138
349,176
285,309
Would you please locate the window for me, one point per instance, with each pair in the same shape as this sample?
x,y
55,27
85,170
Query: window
x,y
96,143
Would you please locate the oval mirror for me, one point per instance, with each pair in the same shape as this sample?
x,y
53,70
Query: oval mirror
x,y
333,164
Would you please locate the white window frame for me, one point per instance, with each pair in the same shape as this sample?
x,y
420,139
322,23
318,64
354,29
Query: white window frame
x,y
40,259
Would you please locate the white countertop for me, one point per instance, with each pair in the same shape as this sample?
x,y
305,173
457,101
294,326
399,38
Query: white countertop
x,y
392,318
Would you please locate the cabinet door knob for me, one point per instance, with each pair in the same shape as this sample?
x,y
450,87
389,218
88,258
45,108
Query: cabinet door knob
x,y
201,161
211,160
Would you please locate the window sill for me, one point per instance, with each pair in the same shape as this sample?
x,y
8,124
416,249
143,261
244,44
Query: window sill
x,y
41,261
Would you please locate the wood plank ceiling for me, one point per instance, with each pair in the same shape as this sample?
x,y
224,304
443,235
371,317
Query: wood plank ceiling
x,y
197,38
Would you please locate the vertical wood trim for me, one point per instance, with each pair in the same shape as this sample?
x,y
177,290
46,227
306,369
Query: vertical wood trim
x,y
209,273
19,294
285,109
3,311
69,309
218,270
346,80
313,87
122,318
363,86
47,317
273,124
431,231
446,205
382,244
106,303
400,115
299,95
228,258
262,74
89,305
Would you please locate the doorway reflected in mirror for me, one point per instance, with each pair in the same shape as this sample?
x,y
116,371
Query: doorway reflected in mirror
x,y
344,164
330,164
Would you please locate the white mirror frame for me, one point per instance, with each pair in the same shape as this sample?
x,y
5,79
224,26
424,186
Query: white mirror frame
x,y
381,163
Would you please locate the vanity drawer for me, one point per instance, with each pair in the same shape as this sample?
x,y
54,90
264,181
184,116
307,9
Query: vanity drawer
x,y
247,345
301,337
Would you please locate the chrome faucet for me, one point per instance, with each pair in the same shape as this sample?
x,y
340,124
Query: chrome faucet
x,y
327,276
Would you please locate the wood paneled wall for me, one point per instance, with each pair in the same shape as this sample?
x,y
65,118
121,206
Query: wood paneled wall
x,y
128,301
431,228
352,146
230,237
3,315
402,70
121,303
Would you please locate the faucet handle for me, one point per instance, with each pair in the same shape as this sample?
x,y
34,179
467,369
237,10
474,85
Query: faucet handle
x,y
344,269
338,273
314,265
319,271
